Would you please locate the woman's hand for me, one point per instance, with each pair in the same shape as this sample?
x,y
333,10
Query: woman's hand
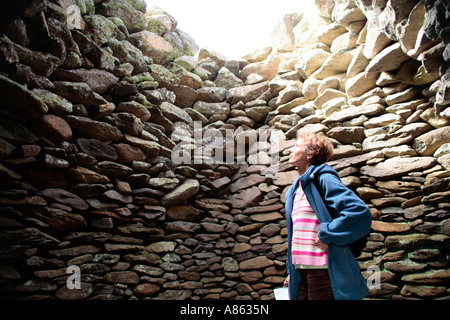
x,y
321,245
286,281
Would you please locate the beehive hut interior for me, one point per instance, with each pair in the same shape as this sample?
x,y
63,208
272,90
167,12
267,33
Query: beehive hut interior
x,y
158,168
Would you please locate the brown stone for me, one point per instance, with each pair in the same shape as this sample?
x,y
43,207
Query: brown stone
x,y
260,209
97,149
267,217
181,193
127,123
285,178
185,96
30,236
436,198
118,197
150,148
146,289
220,183
186,213
85,175
355,111
250,276
255,263
60,220
396,227
74,251
127,153
64,197
429,277
250,228
247,182
423,291
65,293
26,75
78,92
406,241
152,45
212,227
267,69
427,143
112,169
388,59
123,277
182,226
35,285
98,80
347,135
20,100
89,128
44,63
135,108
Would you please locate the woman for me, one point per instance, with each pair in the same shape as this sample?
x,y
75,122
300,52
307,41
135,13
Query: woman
x,y
320,265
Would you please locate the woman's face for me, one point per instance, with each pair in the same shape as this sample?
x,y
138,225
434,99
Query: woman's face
x,y
298,155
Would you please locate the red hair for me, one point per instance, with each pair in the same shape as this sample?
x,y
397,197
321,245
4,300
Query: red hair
x,y
319,146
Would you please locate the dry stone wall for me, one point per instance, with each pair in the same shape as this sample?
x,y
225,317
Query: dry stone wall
x,y
157,170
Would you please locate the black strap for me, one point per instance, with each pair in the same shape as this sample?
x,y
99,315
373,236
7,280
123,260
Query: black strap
x,y
331,211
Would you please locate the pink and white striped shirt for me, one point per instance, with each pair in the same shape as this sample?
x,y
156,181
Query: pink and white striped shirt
x,y
305,252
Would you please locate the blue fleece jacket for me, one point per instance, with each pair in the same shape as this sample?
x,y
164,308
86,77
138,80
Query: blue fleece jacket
x,y
353,221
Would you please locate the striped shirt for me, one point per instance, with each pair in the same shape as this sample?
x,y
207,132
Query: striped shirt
x,y
305,253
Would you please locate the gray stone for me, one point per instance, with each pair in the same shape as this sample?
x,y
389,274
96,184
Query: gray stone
x,y
398,166
209,109
246,198
354,112
174,113
427,143
133,19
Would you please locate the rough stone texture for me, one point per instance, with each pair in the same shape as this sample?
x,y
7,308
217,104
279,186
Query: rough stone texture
x,y
94,115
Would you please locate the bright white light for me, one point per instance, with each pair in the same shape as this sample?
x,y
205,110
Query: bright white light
x,y
231,27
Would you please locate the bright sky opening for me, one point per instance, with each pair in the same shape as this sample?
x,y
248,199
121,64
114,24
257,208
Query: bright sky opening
x,y
233,28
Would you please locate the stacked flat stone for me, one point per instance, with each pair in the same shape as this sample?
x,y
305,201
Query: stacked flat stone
x,y
98,95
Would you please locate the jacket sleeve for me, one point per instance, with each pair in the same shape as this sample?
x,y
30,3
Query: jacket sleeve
x,y
353,219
